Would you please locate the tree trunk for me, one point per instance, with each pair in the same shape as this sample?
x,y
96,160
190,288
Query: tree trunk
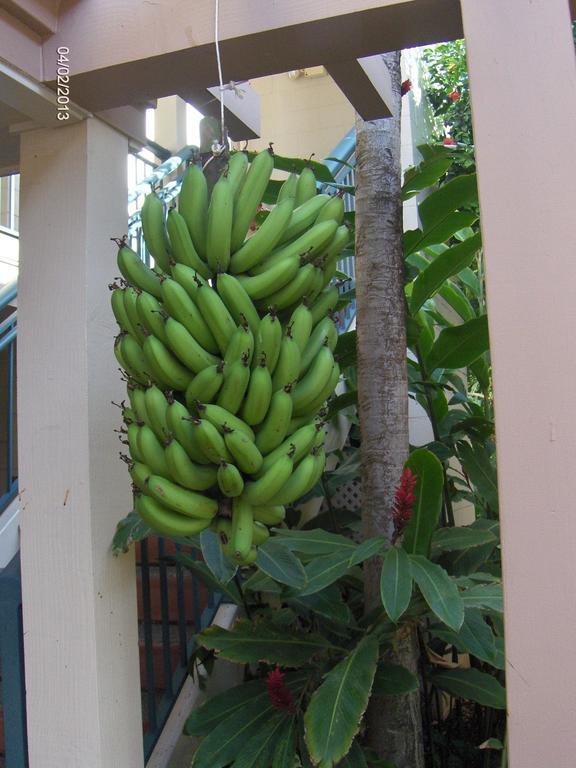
x,y
394,724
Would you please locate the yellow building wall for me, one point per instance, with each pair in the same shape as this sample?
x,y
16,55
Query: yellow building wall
x,y
302,115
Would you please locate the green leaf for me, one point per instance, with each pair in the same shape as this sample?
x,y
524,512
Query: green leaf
x,y
460,345
227,738
250,642
441,268
439,591
355,758
206,576
346,349
394,680
424,176
460,191
367,549
328,603
473,685
326,570
396,582
314,541
344,400
258,751
336,707
475,637
488,596
481,471
417,239
285,753
280,564
128,530
222,569
461,537
457,299
261,582
203,720
426,509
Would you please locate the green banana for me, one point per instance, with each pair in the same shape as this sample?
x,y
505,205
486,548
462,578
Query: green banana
x,y
325,393
181,500
154,230
324,304
301,326
236,379
303,217
230,480
298,482
237,167
295,290
196,477
324,333
258,394
270,281
138,403
307,246
241,346
333,210
244,452
237,301
267,340
156,407
274,428
188,278
130,304
187,349
119,310
250,195
136,362
316,284
216,315
314,381
264,239
140,475
205,385
266,487
288,188
305,186
165,367
132,436
288,366
222,419
211,441
332,252
318,470
181,243
302,440
269,515
152,315
128,415
180,424
260,533
152,451
219,229
182,308
133,269
242,527
165,522
193,205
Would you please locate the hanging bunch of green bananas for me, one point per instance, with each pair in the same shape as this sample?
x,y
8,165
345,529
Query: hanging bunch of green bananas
x,y
227,345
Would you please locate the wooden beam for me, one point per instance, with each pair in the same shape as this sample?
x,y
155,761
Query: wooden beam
x,y
130,62
41,16
365,83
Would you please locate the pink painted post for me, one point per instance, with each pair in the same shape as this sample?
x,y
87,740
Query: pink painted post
x,y
523,83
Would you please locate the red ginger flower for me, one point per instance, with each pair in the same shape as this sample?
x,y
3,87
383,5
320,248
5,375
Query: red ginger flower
x,y
455,95
279,693
405,87
449,141
404,499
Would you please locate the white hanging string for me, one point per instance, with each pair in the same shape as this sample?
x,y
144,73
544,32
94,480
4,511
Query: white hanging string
x,y
218,149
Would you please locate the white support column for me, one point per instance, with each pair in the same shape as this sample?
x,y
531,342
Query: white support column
x,y
81,643
523,82
170,123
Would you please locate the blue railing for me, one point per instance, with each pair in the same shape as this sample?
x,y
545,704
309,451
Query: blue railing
x,y
8,333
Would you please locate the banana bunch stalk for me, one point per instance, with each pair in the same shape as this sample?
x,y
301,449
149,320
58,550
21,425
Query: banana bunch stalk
x,y
227,346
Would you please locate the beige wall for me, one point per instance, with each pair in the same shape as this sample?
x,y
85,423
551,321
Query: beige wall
x,y
302,115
